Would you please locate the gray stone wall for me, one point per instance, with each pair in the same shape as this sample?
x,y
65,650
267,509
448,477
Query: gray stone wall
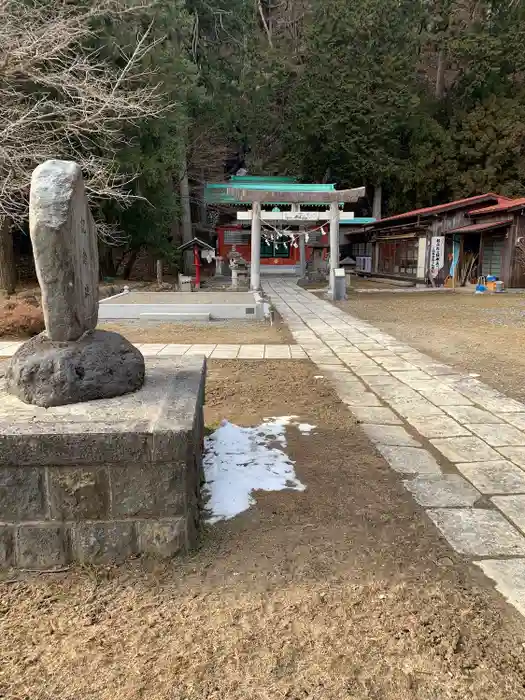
x,y
141,493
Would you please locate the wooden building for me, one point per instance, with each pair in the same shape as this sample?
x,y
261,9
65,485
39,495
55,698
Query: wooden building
x,y
453,243
500,230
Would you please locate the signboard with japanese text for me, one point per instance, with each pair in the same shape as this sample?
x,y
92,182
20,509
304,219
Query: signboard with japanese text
x,y
437,255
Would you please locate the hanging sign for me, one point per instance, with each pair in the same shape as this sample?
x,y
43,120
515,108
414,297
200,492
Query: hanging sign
x,y
437,255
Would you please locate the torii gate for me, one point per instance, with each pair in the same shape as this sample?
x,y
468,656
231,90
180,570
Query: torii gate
x,y
257,197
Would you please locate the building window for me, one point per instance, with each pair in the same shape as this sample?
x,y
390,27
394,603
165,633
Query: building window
x,y
237,237
398,257
275,248
492,254
361,250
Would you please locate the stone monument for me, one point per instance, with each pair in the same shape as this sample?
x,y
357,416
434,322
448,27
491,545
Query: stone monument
x,y
70,361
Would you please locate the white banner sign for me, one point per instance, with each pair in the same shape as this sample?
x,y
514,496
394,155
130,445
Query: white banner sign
x,y
437,255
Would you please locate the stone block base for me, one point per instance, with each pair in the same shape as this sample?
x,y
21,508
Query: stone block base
x,y
102,481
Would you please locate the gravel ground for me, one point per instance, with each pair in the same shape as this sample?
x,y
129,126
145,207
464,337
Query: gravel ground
x,y
484,334
341,592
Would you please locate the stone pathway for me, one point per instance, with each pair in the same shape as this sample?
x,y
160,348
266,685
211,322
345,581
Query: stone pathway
x,y
214,351
460,443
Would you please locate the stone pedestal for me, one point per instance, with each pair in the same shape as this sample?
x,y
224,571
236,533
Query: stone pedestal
x,y
101,481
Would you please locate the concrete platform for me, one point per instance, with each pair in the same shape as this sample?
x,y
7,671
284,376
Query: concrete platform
x,y
100,481
183,306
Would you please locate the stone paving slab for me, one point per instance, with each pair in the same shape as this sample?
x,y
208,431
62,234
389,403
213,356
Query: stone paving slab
x,y
447,491
444,397
377,415
276,352
390,435
395,364
509,576
221,353
205,350
418,407
383,378
273,351
500,477
368,371
478,532
364,398
409,460
471,414
251,352
513,506
439,426
515,419
173,350
515,454
465,449
498,435
151,350
412,377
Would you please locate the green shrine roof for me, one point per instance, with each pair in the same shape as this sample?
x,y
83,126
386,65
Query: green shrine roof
x,y
262,179
217,193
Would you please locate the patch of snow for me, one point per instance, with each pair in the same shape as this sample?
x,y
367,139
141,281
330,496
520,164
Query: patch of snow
x,y
238,461
305,428
319,376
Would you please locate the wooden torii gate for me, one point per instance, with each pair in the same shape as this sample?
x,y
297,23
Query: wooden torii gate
x,y
257,197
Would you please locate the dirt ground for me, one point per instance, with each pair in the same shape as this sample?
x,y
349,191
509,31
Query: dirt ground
x,y
484,334
343,591
229,332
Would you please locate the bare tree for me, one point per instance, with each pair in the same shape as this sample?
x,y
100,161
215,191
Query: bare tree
x,y
60,98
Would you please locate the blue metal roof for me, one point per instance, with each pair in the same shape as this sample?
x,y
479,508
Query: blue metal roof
x,y
357,221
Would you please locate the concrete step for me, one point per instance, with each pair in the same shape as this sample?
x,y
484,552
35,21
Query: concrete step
x,y
176,316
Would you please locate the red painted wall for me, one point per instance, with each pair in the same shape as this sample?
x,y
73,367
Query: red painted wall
x,y
245,250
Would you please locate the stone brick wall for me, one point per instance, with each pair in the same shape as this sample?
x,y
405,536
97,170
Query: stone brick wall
x,y
106,511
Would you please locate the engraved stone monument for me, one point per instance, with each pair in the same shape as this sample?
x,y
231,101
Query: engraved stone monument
x,y
70,361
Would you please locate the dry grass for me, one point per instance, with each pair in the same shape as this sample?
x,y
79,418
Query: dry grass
x,y
342,592
478,333
236,332
333,640
21,318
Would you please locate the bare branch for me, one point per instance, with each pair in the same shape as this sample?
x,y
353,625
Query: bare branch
x,y
60,98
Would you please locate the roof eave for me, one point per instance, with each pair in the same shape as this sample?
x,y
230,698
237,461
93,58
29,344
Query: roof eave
x,y
442,208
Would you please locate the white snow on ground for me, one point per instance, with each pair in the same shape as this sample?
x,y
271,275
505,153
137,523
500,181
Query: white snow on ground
x,y
239,460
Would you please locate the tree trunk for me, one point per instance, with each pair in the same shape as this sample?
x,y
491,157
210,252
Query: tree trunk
x,y
440,75
7,257
187,231
203,209
376,207
106,262
128,267
160,276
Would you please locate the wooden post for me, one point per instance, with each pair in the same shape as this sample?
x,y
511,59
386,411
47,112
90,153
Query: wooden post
x,y
160,277
255,265
302,253
197,263
7,257
334,240
187,230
